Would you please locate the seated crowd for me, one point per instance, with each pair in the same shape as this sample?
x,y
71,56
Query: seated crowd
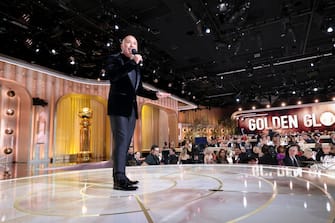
x,y
299,149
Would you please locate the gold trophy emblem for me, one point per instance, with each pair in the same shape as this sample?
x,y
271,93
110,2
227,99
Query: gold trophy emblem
x,y
85,134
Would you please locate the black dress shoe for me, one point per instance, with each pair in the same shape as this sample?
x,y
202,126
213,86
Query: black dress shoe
x,y
124,185
132,182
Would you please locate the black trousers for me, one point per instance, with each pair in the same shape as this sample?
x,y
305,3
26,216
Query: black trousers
x,y
122,130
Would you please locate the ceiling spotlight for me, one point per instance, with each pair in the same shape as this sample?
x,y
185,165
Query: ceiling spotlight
x,y
156,80
283,104
170,84
316,100
315,89
294,92
29,42
333,98
193,97
268,106
116,27
26,17
330,29
108,44
53,51
208,30
72,61
223,7
253,107
237,99
299,102
312,64
240,109
37,50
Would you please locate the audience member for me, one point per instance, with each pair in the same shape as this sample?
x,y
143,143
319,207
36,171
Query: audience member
x,y
208,156
222,157
324,152
173,159
281,151
184,157
152,158
291,158
307,160
267,157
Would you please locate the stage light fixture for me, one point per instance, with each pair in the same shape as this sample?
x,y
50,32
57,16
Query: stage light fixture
x,y
299,102
72,60
223,6
11,93
330,29
10,112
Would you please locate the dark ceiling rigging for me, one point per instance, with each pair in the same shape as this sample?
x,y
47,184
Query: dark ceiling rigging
x,y
215,53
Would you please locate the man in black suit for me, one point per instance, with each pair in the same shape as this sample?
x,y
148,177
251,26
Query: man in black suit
x,y
123,71
291,158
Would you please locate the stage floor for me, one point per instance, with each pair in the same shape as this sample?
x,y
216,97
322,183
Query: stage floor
x,y
172,193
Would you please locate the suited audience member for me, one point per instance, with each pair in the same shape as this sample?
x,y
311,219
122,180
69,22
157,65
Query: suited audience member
x,y
240,156
152,158
291,158
123,72
267,157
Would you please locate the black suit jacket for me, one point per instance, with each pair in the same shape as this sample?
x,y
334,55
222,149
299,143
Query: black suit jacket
x,y
122,94
288,161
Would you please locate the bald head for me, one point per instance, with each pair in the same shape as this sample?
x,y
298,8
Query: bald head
x,y
128,43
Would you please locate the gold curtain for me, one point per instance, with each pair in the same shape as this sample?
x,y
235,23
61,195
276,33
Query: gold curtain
x,y
67,127
150,132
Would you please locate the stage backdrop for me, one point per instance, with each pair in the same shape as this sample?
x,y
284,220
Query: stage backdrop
x,y
308,117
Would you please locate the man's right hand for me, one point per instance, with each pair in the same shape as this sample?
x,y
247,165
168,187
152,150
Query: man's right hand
x,y
137,58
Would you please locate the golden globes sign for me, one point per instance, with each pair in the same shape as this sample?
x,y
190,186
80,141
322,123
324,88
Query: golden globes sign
x,y
309,117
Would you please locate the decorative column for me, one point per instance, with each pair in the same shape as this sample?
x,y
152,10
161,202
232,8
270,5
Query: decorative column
x,y
85,134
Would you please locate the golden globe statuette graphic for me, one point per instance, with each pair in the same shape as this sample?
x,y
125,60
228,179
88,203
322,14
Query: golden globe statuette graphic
x,y
85,134
327,118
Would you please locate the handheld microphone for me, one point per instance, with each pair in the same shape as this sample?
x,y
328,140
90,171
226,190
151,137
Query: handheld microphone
x,y
134,52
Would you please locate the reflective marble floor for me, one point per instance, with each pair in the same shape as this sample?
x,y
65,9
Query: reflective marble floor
x,y
172,193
